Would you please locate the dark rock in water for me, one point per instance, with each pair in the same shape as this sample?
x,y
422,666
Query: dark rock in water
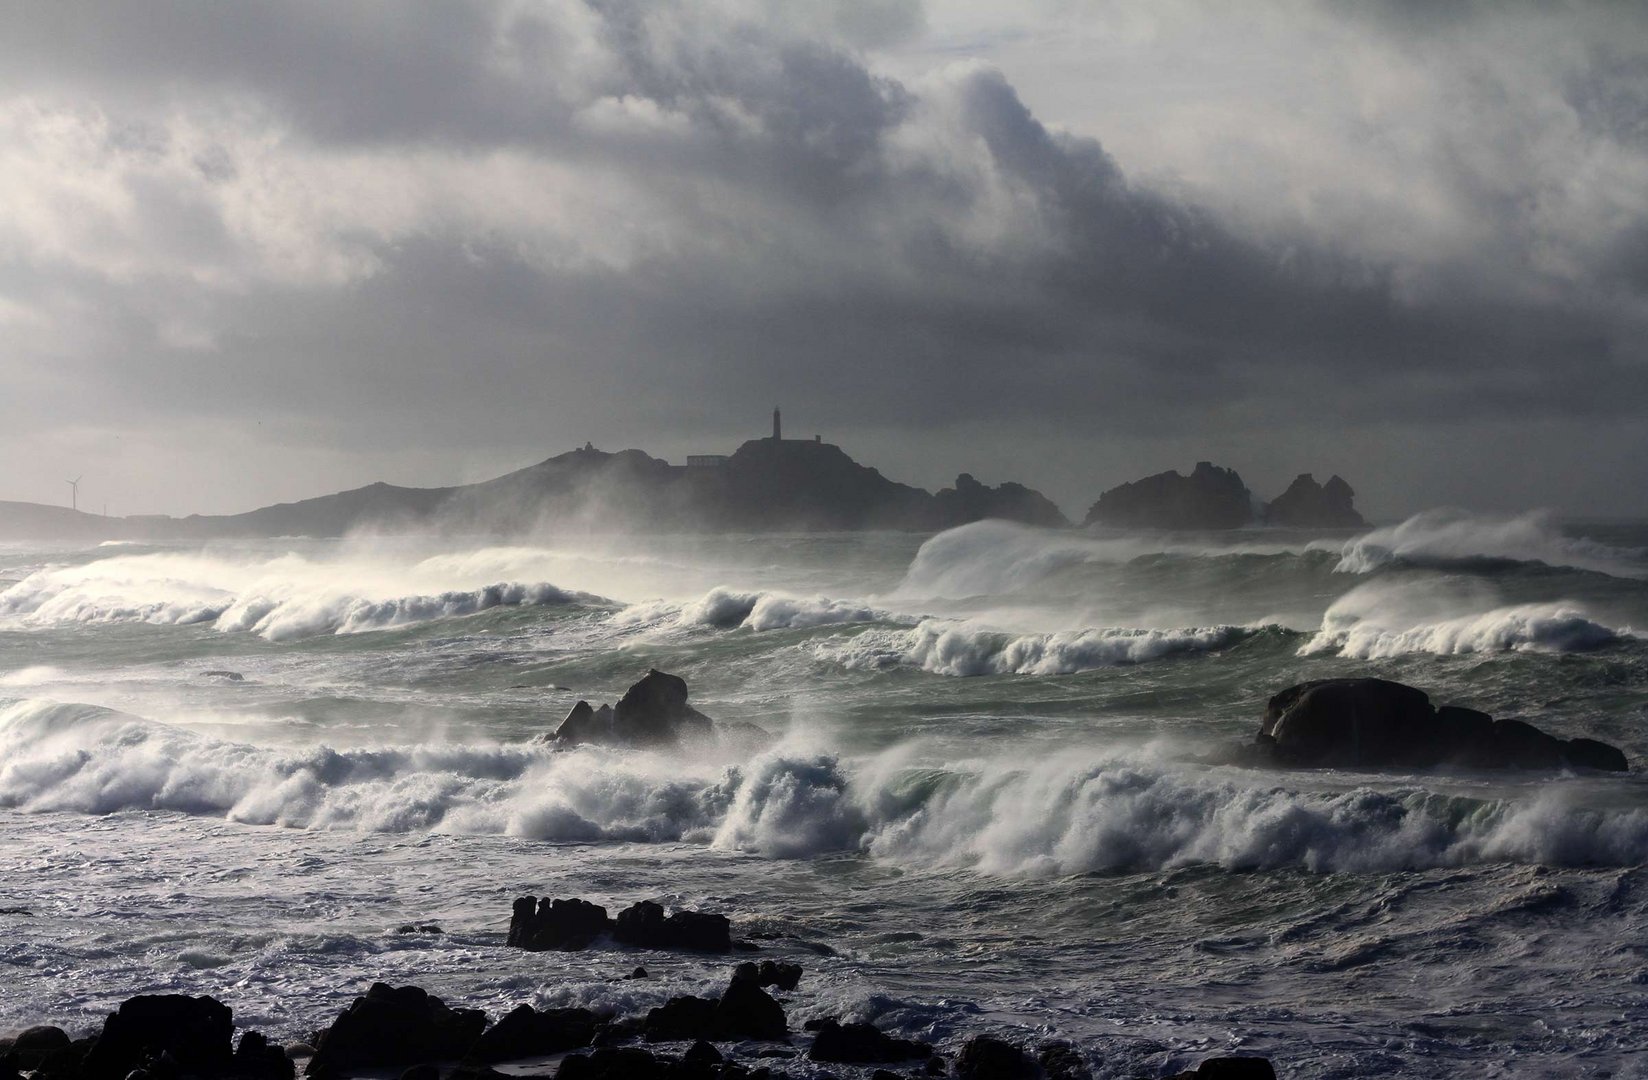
x,y
195,1032
654,712
33,1044
638,973
1209,498
585,725
527,1032
227,676
64,1063
768,973
680,1018
986,1058
615,1063
1061,1061
645,925
1309,505
1374,723
394,1026
746,1011
1235,1068
540,925
419,928
701,1055
861,1043
257,1058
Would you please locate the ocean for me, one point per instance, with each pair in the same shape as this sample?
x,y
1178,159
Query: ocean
x,y
1004,793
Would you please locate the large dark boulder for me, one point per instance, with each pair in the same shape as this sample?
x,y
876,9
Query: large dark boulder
x,y
645,925
395,1026
540,925
256,1058
33,1044
861,1044
1309,505
984,1057
527,1032
768,973
585,724
1209,498
680,1018
1375,723
1061,1061
196,1032
746,1011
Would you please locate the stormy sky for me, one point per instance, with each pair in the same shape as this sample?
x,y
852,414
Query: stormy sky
x,y
252,253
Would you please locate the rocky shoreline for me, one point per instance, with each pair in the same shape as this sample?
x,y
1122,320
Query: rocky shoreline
x,y
406,1032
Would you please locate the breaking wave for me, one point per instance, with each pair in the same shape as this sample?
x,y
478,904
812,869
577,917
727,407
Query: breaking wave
x,y
949,648
278,599
1078,812
1376,621
1450,537
729,609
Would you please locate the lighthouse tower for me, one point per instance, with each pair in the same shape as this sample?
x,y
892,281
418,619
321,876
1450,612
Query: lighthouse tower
x,y
778,431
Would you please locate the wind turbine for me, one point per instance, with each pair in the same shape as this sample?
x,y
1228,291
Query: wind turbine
x,y
74,491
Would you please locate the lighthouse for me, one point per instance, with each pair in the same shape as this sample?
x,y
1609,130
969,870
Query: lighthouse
x,y
778,432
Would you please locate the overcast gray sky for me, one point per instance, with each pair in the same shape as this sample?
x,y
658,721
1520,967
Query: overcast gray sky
x,y
251,253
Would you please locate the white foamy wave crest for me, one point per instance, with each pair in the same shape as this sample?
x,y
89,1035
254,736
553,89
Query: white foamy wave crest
x,y
1376,621
1124,813
1080,811
993,558
1447,536
280,598
728,609
782,803
949,648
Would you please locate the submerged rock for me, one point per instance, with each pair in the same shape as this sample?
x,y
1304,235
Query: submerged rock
x,y
1377,723
984,1057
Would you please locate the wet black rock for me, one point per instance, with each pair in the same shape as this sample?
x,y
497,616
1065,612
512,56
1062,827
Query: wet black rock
x,y
679,1019
528,1032
768,973
196,1033
986,1058
860,1044
644,925
970,500
1061,1061
1375,723
33,1044
652,713
540,925
746,1011
394,1026
257,1057
226,676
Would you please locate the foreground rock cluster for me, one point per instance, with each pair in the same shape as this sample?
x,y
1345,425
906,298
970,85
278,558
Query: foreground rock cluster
x,y
1375,723
175,1037
406,1029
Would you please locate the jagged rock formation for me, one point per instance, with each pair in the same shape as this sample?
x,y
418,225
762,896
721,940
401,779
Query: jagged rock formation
x,y
653,713
1209,498
1309,505
970,500
1376,723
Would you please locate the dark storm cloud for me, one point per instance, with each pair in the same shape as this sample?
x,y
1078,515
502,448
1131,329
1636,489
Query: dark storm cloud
x,y
472,221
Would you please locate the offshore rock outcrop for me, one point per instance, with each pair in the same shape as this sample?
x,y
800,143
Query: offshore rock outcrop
x,y
652,714
1209,498
1375,723
568,925
1309,505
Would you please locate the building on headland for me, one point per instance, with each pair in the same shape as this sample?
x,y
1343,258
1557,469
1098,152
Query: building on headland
x,y
716,461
